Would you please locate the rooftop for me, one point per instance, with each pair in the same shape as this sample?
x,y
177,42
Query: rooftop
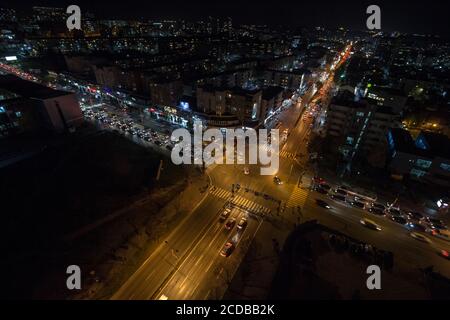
x,y
29,89
270,92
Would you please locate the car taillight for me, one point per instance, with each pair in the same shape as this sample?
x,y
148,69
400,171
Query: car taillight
x,y
445,253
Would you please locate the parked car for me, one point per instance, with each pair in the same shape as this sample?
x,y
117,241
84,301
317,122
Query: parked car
x,y
378,206
399,219
321,190
377,211
416,226
341,192
358,204
415,216
338,197
394,211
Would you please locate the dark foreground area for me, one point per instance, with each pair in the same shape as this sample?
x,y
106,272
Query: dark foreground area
x,y
320,263
48,198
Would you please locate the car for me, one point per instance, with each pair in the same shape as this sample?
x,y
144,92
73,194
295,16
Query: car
x,y
444,254
230,224
227,249
358,204
377,211
319,189
370,224
416,216
341,192
246,170
242,223
338,197
277,180
325,186
419,237
158,143
443,234
322,204
437,224
225,214
399,219
416,226
433,223
394,211
317,179
378,206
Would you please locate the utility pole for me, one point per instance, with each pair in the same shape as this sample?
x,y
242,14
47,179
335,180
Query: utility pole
x,y
158,174
290,172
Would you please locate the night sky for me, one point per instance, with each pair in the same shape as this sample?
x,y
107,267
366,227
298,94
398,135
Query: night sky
x,y
429,16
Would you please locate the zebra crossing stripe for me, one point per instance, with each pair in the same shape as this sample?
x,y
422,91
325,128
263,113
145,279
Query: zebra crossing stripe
x,y
240,201
298,197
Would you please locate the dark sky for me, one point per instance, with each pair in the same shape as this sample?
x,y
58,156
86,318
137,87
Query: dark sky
x,y
430,16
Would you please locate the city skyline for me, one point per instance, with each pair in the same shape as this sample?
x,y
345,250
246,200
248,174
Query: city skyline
x,y
402,16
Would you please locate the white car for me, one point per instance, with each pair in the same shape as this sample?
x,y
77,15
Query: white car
x,y
419,237
370,224
242,223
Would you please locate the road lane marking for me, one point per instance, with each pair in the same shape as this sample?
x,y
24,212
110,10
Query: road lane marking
x,y
297,198
183,262
159,248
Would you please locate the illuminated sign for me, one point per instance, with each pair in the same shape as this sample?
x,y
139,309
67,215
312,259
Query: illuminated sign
x,y
11,58
184,105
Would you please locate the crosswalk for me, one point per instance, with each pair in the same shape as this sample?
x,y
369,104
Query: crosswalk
x,y
239,201
282,153
249,205
288,155
298,198
220,193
